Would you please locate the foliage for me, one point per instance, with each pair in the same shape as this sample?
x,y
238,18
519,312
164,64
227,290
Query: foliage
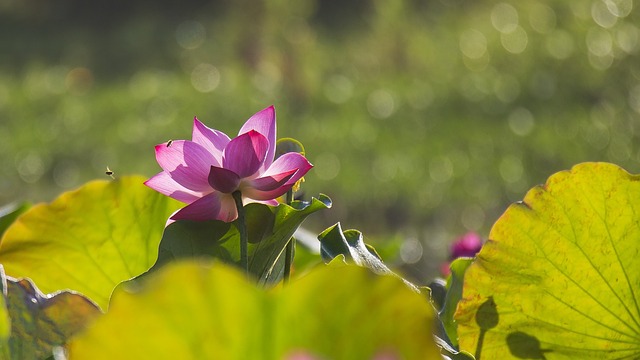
x,y
38,322
204,311
269,229
424,115
89,239
559,277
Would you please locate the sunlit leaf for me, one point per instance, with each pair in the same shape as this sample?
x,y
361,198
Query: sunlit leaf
x,y
269,230
191,310
9,214
335,242
40,322
560,275
286,145
90,239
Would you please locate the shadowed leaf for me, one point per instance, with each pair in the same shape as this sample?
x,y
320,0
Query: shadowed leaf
x,y
40,322
454,293
561,272
269,230
449,353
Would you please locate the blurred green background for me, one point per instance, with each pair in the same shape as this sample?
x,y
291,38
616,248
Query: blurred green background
x,y
424,119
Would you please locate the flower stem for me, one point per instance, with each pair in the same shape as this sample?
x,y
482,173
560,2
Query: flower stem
x,y
242,229
289,250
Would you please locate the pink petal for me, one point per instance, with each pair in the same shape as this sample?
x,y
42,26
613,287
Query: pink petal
x,y
214,206
223,180
287,162
187,162
284,164
268,183
270,202
212,140
264,122
245,154
164,184
255,194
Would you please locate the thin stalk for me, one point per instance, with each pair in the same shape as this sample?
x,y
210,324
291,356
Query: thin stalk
x,y
242,229
288,254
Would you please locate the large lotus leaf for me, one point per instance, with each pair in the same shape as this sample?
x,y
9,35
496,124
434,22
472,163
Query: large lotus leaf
x,y
269,230
9,214
560,276
191,310
40,322
90,239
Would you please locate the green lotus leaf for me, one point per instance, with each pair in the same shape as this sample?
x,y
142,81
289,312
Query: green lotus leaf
x,y
195,310
90,239
349,245
41,322
454,292
9,214
560,276
269,229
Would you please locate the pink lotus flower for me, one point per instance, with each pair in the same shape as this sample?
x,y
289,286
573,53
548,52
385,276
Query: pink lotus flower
x,y
205,171
467,245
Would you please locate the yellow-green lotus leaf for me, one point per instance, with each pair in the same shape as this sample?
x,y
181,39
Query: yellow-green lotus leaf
x,y
89,239
191,310
560,275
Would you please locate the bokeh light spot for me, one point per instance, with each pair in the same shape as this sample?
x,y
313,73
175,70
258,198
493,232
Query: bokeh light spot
x,y
602,16
411,251
327,166
190,34
381,104
599,42
473,44
79,81
441,169
30,167
511,168
619,8
504,18
205,78
521,121
600,62
626,37
338,89
515,41
542,18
